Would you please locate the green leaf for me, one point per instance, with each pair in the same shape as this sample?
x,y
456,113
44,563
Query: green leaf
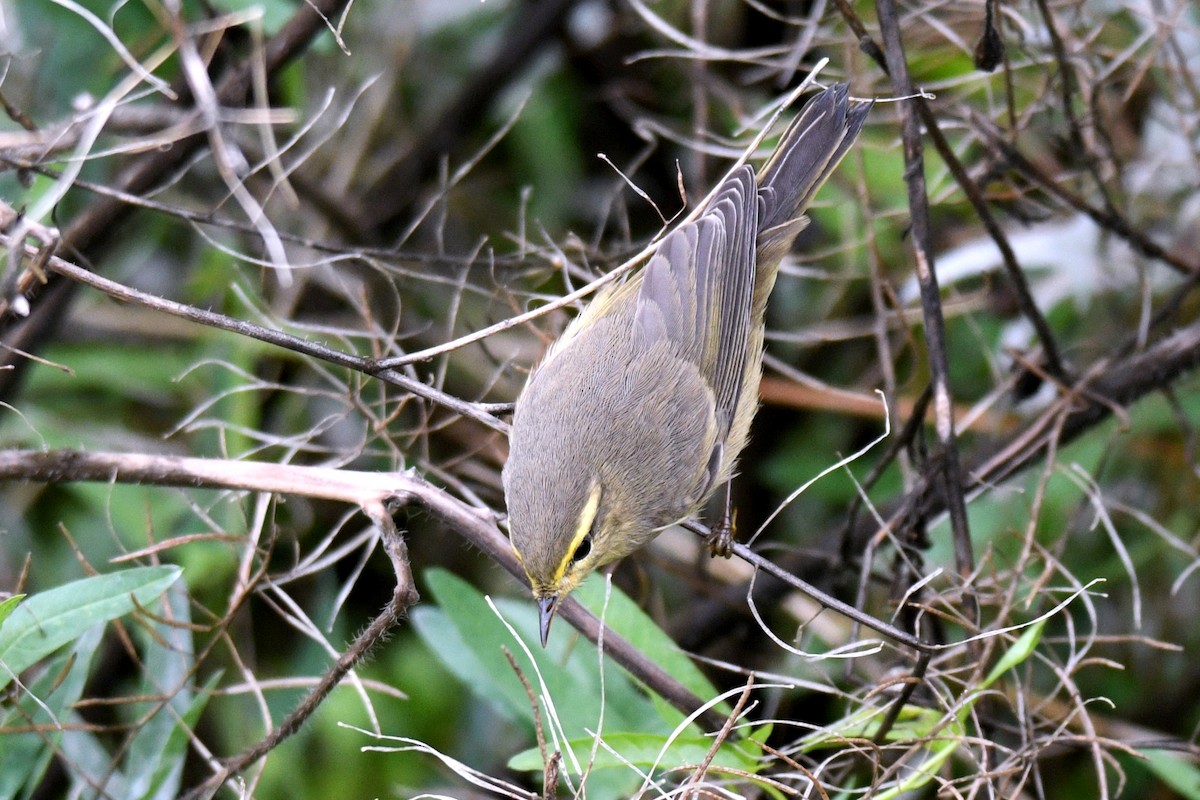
x,y
47,700
154,764
1175,771
465,633
153,761
167,778
462,633
913,722
1022,649
627,619
468,636
8,605
50,619
648,750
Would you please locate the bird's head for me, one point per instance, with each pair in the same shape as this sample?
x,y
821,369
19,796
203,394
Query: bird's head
x,y
561,532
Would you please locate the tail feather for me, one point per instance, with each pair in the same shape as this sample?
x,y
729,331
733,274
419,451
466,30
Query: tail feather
x,y
809,150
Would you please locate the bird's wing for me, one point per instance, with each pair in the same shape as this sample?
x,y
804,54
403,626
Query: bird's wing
x,y
696,291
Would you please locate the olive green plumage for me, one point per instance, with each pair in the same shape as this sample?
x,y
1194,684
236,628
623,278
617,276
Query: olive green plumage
x,y
639,411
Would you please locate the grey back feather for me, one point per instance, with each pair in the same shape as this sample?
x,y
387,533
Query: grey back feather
x,y
705,287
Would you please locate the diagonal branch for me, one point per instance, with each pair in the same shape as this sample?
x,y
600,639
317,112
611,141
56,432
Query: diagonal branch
x,y
1108,385
369,366
93,230
368,490
1054,362
1109,218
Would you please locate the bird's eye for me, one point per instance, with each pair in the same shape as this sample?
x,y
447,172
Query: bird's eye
x,y
582,551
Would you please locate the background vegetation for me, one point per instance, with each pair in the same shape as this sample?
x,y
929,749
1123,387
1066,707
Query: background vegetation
x,y
292,203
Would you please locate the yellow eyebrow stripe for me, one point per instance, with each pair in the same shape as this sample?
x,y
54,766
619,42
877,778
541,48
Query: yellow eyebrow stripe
x,y
587,515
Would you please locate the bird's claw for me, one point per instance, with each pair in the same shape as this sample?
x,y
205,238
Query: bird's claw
x,y
722,536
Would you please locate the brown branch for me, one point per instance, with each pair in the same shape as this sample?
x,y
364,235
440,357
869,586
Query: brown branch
x,y
404,597
828,601
64,466
151,121
1110,219
1026,303
365,489
1068,83
1114,384
690,786
1114,387
531,26
92,231
931,306
307,347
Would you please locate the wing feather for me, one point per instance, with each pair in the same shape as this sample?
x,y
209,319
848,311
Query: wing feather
x,y
697,291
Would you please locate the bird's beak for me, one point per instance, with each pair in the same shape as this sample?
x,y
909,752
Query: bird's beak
x,y
547,605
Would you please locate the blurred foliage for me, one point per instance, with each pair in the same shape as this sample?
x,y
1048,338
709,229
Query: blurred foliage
x,y
432,178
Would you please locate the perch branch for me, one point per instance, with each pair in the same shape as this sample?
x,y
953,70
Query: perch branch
x,y
368,490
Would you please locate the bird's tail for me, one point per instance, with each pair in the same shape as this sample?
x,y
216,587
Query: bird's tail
x,y
810,149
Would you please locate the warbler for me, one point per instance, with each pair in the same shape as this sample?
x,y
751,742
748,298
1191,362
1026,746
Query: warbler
x,y
638,412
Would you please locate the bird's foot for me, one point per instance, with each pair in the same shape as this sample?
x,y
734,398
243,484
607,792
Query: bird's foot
x,y
722,536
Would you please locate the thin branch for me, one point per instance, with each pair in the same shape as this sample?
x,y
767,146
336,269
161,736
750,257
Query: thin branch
x,y
528,32
1110,220
1113,384
403,597
212,319
367,490
92,229
1016,277
935,325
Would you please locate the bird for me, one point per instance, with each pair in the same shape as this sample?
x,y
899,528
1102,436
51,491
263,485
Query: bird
x,y
636,415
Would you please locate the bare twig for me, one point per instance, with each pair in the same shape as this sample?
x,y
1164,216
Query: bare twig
x,y
529,29
296,344
1109,219
1028,306
368,490
91,230
403,597
935,326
